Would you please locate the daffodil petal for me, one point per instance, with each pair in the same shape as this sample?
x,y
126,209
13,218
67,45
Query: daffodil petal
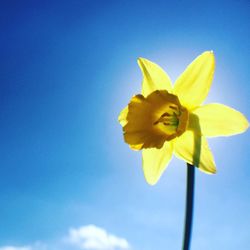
x,y
155,161
154,77
194,149
220,120
122,118
193,85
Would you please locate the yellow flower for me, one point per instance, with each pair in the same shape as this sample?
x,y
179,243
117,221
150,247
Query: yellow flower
x,y
166,120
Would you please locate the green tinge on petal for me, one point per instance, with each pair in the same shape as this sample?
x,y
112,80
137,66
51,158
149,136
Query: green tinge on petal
x,y
194,150
154,77
194,83
155,162
219,120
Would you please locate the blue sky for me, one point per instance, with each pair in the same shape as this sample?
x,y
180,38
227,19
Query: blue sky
x,y
67,69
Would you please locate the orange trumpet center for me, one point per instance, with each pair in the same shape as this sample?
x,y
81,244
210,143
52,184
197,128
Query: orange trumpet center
x,y
154,119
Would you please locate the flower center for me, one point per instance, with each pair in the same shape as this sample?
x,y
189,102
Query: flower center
x,y
172,122
154,119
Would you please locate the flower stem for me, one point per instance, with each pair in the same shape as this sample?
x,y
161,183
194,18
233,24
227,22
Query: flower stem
x,y
189,207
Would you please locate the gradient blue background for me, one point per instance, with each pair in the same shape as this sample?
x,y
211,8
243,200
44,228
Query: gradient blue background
x,y
67,69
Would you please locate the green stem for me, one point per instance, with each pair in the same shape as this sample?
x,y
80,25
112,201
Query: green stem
x,y
189,207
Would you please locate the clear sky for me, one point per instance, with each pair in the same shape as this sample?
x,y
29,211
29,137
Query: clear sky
x,y
67,69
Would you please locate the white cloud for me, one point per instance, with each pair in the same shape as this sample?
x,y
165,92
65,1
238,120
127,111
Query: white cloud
x,y
88,237
15,248
94,238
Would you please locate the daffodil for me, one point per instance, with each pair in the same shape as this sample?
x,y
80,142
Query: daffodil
x,y
168,119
